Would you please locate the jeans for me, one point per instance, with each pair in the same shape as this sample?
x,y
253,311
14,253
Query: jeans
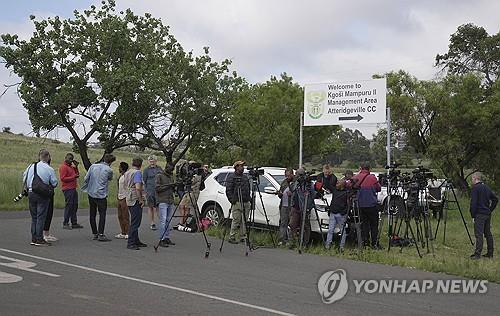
x,y
334,220
482,227
38,209
369,225
71,200
135,222
165,212
50,213
284,221
98,205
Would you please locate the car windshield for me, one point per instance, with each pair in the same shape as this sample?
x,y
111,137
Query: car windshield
x,y
278,177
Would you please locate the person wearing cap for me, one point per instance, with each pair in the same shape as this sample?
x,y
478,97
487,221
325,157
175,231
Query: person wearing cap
x,y
148,177
368,186
338,209
238,194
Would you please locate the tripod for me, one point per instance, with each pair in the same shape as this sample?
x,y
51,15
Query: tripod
x,y
188,190
446,207
255,190
306,214
244,226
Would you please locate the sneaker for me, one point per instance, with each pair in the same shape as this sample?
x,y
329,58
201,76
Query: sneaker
x,y
125,236
153,226
50,238
141,244
169,242
33,243
232,240
96,237
133,247
475,257
42,243
66,226
76,226
120,236
103,237
164,243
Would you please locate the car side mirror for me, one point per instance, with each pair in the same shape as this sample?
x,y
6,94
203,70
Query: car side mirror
x,y
270,190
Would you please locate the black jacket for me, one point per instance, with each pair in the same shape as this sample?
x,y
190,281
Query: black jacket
x,y
329,182
482,200
233,182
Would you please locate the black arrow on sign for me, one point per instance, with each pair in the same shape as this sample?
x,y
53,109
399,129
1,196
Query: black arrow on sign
x,y
351,118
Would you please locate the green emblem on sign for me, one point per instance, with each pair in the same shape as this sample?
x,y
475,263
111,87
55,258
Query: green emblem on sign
x,y
315,105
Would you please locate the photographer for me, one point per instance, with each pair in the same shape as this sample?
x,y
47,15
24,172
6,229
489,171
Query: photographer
x,y
164,187
338,209
287,188
68,173
482,203
368,186
189,201
327,179
237,183
304,187
40,180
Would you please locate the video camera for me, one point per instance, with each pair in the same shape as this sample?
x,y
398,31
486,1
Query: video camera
x,y
186,171
421,176
304,178
255,172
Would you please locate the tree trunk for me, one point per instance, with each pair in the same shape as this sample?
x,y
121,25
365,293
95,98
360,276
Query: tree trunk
x,y
82,149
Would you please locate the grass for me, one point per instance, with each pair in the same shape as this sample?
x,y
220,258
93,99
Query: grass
x,y
16,152
451,257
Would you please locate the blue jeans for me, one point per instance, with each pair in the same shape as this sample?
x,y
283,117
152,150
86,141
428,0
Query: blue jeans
x,y
165,212
336,219
135,222
38,210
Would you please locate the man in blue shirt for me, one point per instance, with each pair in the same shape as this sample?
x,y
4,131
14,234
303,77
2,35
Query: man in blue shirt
x,y
135,202
38,203
96,185
482,203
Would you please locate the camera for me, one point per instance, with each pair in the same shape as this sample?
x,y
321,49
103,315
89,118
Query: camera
x,y
20,196
255,172
186,171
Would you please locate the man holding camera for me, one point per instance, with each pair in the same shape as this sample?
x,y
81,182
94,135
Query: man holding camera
x,y
482,203
304,191
287,188
68,173
338,209
238,194
164,187
368,186
39,178
190,199
327,179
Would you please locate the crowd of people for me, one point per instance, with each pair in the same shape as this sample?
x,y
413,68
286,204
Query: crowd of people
x,y
155,187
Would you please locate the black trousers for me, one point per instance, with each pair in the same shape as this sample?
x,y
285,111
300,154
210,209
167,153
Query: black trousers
x,y
50,213
135,223
482,227
96,205
369,225
71,206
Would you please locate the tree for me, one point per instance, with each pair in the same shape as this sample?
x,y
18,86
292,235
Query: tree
x,y
472,50
353,147
86,74
264,128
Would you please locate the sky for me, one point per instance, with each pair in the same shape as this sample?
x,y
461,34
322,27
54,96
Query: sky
x,y
312,41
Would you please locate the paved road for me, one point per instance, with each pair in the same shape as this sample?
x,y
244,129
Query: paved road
x,y
78,276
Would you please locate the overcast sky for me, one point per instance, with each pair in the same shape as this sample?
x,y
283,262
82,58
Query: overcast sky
x,y
312,41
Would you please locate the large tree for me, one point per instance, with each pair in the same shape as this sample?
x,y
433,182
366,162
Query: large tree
x,y
264,128
78,73
472,50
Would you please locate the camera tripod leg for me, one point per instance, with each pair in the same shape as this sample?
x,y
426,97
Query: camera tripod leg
x,y
273,239
303,221
320,228
462,216
225,230
408,225
198,223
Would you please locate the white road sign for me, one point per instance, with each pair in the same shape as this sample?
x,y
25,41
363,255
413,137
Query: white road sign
x,y
339,103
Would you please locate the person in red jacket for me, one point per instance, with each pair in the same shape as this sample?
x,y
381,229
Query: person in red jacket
x,y
68,172
368,186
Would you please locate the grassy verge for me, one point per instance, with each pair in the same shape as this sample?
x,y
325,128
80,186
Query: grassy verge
x,y
451,257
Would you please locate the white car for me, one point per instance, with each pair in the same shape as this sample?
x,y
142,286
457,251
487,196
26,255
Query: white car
x,y
213,203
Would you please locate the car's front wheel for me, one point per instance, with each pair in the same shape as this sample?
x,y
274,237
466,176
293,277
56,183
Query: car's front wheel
x,y
214,213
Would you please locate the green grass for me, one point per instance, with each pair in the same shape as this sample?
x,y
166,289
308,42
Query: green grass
x,y
16,152
451,257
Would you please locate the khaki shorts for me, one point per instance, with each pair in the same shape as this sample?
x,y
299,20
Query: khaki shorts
x,y
186,201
